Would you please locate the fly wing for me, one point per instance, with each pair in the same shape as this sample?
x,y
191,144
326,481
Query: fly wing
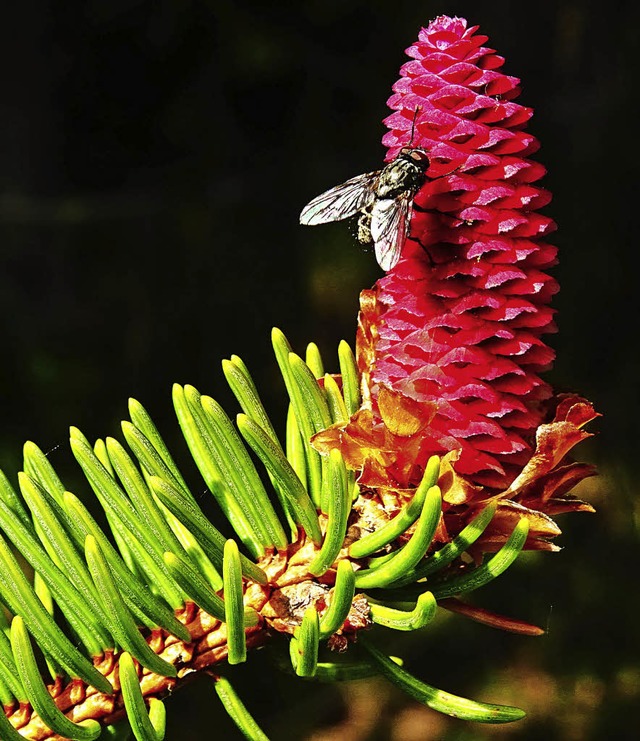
x,y
340,202
389,228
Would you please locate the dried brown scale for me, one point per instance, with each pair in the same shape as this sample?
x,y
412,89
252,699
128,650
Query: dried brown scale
x,y
292,588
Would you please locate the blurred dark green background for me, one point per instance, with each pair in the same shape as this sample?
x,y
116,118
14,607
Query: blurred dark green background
x,y
155,157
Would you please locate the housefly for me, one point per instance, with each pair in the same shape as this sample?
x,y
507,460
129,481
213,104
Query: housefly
x,y
384,200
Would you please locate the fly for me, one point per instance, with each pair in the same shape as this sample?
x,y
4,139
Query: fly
x,y
384,200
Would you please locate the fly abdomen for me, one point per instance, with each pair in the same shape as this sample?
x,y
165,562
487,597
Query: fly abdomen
x,y
364,226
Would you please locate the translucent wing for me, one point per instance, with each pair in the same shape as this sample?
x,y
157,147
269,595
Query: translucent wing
x,y
390,227
340,202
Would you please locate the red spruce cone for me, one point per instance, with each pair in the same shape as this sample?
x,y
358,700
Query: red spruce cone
x,y
456,326
449,341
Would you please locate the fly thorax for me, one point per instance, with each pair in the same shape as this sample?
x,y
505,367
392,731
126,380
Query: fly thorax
x,y
399,177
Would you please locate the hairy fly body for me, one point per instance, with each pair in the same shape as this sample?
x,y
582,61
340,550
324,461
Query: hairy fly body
x,y
384,200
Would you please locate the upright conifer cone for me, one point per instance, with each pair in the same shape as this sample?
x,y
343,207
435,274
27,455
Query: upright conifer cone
x,y
456,325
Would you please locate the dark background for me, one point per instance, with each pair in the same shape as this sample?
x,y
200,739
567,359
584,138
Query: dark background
x,y
154,159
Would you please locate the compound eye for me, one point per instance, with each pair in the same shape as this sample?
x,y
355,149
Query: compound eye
x,y
419,156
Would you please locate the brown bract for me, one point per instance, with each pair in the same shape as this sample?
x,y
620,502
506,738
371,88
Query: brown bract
x,y
387,449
